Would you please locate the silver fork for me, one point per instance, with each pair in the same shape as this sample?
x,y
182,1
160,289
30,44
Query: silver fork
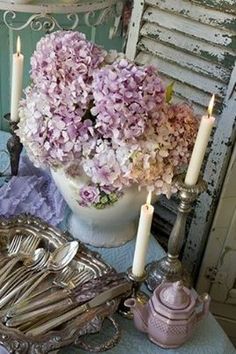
x,y
13,247
25,248
34,286
15,244
30,244
61,281
80,278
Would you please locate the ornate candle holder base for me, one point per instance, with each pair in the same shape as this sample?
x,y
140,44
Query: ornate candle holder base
x,y
169,268
140,296
14,147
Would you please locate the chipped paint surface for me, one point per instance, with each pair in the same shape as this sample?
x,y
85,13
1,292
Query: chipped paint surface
x,y
199,65
221,248
229,6
188,26
197,13
194,43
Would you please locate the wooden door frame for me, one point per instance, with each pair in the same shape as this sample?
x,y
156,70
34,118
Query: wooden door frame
x,y
209,268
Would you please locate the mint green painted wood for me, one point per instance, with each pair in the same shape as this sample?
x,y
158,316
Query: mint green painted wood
x,y
29,38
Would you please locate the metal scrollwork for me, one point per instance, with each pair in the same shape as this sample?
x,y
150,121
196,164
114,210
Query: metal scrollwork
x,y
46,21
119,8
38,22
118,14
95,18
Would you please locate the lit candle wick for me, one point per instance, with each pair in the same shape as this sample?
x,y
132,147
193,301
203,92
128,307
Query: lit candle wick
x,y
18,46
211,105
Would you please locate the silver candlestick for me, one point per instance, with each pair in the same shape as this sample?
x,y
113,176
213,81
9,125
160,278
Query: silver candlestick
x,y
169,268
14,146
136,293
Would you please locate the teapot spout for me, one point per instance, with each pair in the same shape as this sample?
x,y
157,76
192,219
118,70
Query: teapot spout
x,y
140,313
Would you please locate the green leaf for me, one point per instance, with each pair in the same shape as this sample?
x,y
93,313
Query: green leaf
x,y
104,199
99,206
169,92
113,197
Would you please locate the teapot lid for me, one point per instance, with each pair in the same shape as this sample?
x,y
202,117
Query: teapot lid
x,y
175,296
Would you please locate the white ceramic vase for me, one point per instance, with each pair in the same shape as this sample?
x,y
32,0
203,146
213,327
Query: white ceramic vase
x,y
109,227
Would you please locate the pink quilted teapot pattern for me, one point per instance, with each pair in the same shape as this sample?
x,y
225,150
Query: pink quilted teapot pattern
x,y
170,316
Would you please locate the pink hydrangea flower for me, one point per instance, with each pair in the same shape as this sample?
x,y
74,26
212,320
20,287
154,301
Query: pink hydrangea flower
x,y
101,115
125,95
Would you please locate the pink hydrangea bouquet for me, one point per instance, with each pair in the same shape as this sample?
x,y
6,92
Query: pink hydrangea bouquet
x,y
98,114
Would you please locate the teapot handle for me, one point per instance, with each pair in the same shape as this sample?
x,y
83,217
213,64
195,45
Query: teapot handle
x,y
203,300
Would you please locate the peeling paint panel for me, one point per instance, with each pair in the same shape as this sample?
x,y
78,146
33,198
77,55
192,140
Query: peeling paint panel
x,y
208,51
182,74
184,25
198,65
194,44
194,96
228,6
196,13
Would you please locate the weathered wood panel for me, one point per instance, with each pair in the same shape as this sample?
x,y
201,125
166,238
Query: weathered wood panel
x,y
189,45
196,13
199,65
228,6
190,27
205,50
214,174
182,90
135,23
182,74
193,42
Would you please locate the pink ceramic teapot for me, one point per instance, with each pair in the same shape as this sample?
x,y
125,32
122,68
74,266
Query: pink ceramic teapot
x,y
170,315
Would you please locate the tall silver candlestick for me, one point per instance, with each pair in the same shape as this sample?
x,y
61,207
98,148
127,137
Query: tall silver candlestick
x,y
170,268
14,146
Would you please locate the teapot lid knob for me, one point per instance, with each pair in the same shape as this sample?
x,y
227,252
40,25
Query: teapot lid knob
x,y
175,296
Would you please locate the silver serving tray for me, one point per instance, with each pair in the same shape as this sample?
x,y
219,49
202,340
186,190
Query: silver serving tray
x,y
72,333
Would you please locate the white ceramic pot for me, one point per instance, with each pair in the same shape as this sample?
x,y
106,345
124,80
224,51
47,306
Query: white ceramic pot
x,y
109,227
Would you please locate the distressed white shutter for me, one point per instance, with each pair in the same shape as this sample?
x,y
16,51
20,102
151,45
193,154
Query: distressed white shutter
x,y
193,42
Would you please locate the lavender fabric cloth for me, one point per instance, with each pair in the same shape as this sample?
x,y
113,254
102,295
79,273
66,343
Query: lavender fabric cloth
x,y
32,191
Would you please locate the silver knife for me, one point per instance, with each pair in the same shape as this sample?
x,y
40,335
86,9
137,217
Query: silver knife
x,y
43,311
98,300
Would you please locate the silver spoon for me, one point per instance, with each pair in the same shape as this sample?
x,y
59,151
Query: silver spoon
x,y
62,256
58,260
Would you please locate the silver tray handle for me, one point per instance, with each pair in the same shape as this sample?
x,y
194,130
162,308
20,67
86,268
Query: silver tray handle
x,y
109,344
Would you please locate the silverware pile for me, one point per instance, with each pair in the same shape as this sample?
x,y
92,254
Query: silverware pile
x,y
36,284
51,296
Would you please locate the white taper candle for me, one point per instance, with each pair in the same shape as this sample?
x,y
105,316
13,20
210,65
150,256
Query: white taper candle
x,y
143,235
199,150
16,80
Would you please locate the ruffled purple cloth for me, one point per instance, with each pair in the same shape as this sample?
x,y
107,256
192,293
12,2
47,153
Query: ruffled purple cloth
x,y
33,191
